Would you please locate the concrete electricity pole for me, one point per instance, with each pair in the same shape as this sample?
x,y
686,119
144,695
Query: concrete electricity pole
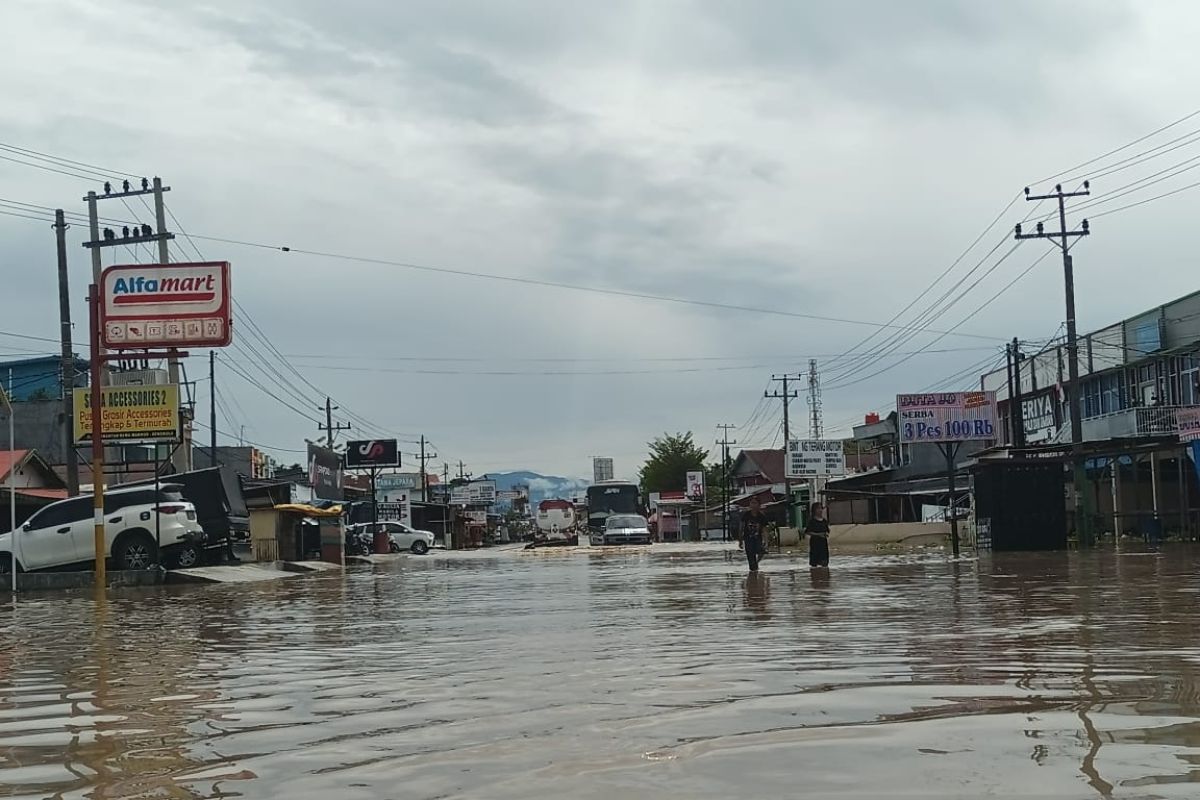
x,y
68,357
787,397
725,442
329,428
1062,239
424,479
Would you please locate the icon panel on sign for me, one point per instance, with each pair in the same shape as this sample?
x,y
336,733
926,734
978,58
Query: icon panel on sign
x,y
154,330
192,330
174,330
213,328
115,331
135,332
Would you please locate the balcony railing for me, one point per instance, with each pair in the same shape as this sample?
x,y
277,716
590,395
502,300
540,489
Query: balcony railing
x,y
1132,422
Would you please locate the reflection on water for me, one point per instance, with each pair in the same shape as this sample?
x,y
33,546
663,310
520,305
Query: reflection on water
x,y
667,674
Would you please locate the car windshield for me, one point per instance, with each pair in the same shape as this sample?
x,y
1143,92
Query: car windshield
x,y
626,521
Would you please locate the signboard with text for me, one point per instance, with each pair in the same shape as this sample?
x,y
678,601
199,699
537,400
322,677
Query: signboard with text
x,y
695,486
396,509
372,454
1038,417
129,414
815,458
1187,421
324,473
397,480
165,305
602,470
947,417
474,493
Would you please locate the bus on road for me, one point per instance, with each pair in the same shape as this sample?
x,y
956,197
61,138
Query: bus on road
x,y
610,497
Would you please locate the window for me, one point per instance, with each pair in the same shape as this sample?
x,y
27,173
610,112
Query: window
x,y
120,500
1189,380
64,513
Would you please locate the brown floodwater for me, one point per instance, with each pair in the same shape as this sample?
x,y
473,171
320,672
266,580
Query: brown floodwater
x,y
665,673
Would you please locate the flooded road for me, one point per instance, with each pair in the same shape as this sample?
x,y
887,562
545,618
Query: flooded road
x,y
664,674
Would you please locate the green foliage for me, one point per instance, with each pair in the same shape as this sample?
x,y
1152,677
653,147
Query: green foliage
x,y
714,477
671,458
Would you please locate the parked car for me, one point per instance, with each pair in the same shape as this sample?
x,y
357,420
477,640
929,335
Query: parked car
x,y
220,508
402,537
626,529
140,525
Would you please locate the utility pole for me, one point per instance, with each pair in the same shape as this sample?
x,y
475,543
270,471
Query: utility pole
x,y
1012,397
424,479
329,428
725,442
68,357
816,425
787,397
1018,412
1062,239
212,408
462,473
182,457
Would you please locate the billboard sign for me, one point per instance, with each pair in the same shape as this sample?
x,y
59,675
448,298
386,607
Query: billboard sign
x,y
372,454
815,458
474,493
165,305
129,414
602,470
1187,422
1038,417
397,508
695,487
947,417
324,473
397,480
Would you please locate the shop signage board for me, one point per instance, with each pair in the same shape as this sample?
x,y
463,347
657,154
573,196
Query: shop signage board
x,y
695,486
324,473
815,458
397,509
129,414
181,306
947,417
1187,421
397,480
372,454
1038,417
474,493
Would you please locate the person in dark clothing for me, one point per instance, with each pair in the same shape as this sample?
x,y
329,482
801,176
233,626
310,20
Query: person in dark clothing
x,y
754,531
818,537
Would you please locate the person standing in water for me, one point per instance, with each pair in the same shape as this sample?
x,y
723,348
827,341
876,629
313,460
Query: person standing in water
x,y
754,531
818,537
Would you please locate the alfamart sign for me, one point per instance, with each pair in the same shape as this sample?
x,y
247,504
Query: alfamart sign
x,y
947,417
165,305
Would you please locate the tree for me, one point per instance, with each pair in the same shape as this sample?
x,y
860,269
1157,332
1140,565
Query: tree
x,y
671,458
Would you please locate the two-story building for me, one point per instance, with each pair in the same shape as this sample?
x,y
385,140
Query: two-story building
x,y
1135,375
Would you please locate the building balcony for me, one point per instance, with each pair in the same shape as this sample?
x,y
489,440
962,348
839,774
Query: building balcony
x,y
1129,423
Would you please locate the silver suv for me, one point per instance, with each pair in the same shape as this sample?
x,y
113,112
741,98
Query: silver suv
x,y
138,526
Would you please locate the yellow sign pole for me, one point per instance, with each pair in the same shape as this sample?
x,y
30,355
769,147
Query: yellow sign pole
x,y
97,441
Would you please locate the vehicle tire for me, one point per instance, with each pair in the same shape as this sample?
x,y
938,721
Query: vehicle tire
x,y
135,551
6,563
393,547
187,556
420,548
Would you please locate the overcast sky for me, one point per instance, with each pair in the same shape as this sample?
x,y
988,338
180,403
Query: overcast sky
x,y
829,159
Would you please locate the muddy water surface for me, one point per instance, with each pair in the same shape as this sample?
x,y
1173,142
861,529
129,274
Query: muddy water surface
x,y
661,674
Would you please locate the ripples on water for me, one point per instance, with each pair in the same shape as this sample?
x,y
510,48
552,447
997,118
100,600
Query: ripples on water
x,y
667,674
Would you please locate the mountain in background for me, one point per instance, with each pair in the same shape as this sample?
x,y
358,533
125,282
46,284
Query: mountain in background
x,y
541,487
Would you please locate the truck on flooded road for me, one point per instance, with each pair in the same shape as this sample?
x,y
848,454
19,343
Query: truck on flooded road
x,y
557,522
